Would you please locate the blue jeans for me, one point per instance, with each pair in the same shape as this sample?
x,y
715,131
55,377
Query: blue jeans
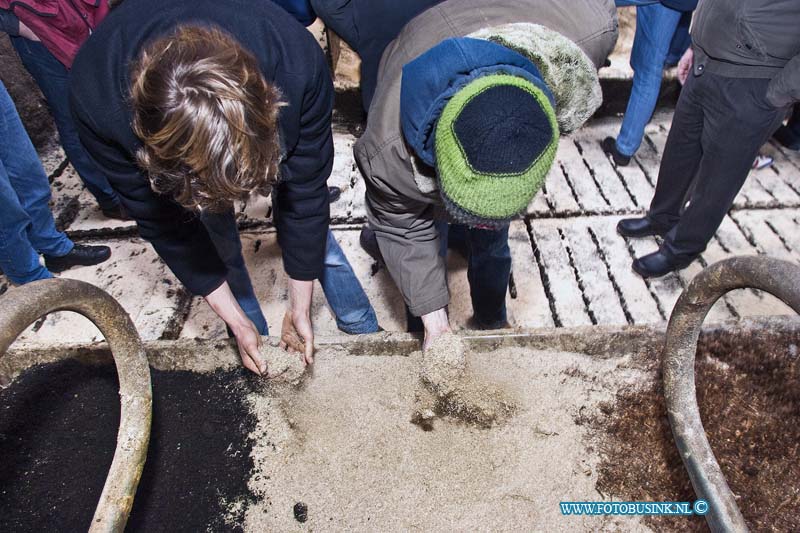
x,y
680,41
655,27
488,271
53,80
27,227
349,302
350,305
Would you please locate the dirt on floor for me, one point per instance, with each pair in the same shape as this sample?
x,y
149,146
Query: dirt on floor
x,y
58,427
749,398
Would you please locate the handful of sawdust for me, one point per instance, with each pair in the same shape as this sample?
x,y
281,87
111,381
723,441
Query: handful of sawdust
x,y
450,389
282,366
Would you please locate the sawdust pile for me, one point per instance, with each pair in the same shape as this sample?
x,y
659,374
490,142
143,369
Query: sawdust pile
x,y
342,444
450,389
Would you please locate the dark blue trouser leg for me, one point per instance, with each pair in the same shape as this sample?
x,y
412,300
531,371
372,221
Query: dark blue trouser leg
x,y
53,80
488,272
224,234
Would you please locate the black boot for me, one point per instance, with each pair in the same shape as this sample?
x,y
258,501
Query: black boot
x,y
80,255
609,146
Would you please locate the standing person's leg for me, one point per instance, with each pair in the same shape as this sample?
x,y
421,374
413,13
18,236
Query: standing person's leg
x,y
224,234
53,80
26,223
681,158
789,135
339,15
738,120
655,26
18,259
354,314
680,41
488,271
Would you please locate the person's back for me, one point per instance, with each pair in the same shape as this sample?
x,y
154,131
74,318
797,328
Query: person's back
x,y
592,25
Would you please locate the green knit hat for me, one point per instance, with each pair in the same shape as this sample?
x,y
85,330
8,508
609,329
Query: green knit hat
x,y
496,140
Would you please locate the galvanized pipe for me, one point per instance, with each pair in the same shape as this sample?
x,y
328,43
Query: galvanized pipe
x,y
779,278
23,305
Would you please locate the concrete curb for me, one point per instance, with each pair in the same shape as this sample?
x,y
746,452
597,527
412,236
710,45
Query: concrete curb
x,y
639,342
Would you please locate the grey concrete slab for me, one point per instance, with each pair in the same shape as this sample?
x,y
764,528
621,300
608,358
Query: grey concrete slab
x,y
561,282
648,160
640,303
787,164
76,211
772,180
757,228
570,266
539,206
603,299
582,182
632,177
605,175
785,224
342,175
138,279
753,194
53,160
560,194
531,306
790,156
666,289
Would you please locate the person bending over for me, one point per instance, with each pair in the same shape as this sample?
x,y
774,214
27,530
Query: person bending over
x,y
198,107
463,127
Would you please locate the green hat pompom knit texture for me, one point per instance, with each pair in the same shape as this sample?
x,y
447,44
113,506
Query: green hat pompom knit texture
x,y
489,196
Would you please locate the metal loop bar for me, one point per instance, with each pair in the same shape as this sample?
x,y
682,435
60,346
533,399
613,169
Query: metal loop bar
x,y
779,278
23,305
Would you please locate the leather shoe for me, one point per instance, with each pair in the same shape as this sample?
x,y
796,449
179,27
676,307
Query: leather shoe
x,y
639,227
80,255
659,263
117,213
609,146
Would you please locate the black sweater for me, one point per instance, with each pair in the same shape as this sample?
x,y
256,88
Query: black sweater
x,y
289,57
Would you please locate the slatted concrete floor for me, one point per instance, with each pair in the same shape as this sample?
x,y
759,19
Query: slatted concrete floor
x,y
570,266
